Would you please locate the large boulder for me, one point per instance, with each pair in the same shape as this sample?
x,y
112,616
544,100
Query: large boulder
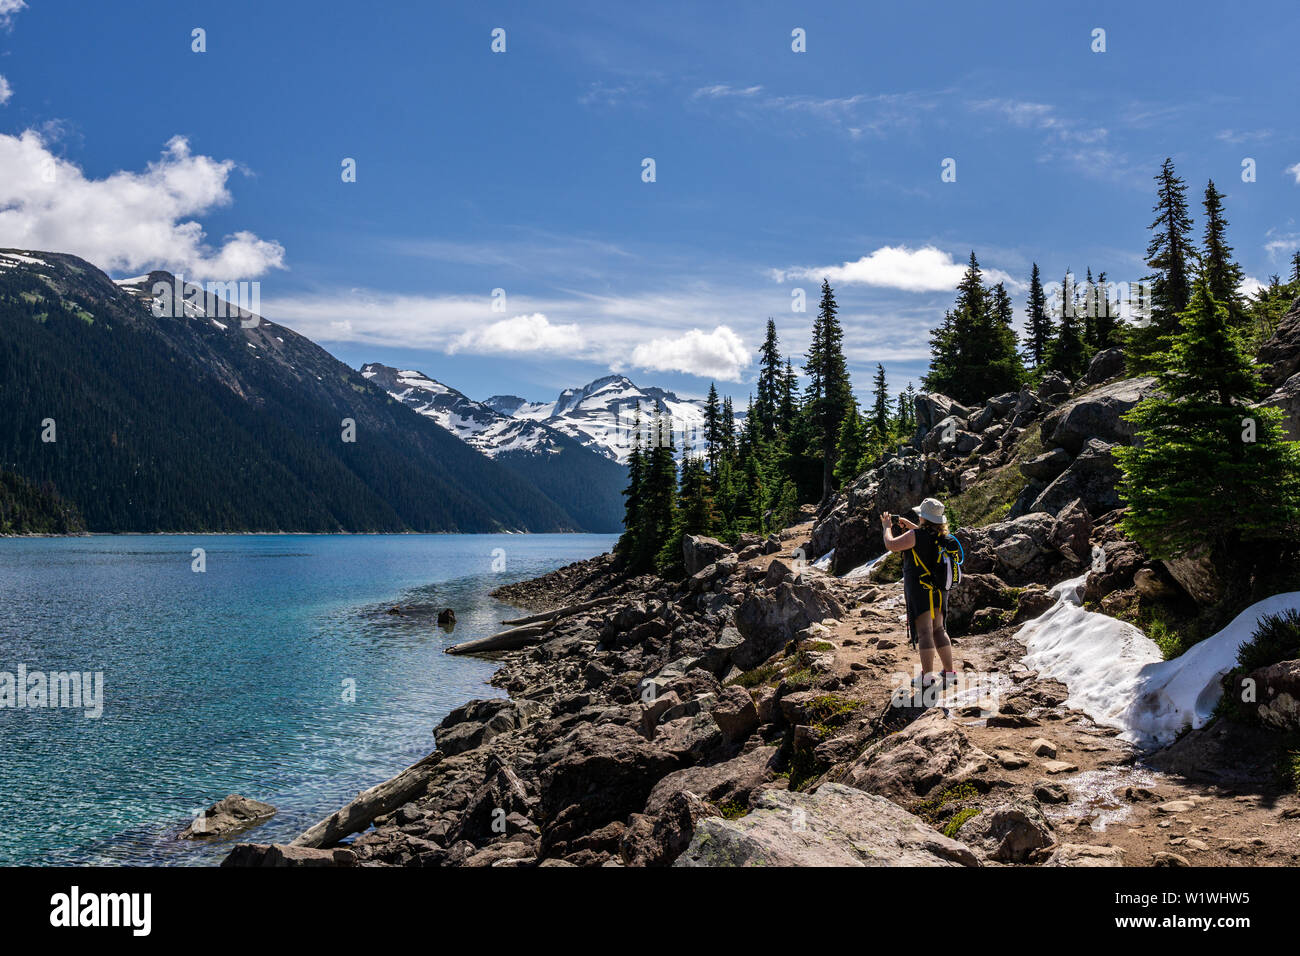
x,y
850,522
1287,399
1009,832
1280,355
1277,695
1046,466
1097,413
731,781
1091,478
835,826
1105,365
1033,547
699,551
595,775
473,724
931,754
932,408
768,620
227,816
657,839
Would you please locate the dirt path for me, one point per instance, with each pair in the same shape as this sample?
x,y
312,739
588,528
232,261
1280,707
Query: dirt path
x,y
1110,794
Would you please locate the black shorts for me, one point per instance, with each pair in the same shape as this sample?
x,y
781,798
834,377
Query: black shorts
x,y
918,600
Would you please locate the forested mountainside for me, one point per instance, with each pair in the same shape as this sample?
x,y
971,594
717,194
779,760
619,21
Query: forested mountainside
x,y
200,423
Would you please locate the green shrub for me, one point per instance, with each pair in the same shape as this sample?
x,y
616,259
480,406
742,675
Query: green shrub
x,y
1276,638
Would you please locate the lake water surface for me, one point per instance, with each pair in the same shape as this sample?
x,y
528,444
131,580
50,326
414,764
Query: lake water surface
x,y
236,679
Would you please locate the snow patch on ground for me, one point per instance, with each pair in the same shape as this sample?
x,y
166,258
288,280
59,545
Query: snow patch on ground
x,y
824,562
1118,676
864,570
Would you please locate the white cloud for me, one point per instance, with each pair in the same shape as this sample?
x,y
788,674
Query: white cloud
x,y
523,333
7,10
6,91
1295,171
927,269
1250,285
128,221
718,354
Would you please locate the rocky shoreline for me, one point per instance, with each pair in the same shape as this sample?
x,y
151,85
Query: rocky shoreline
x,y
751,713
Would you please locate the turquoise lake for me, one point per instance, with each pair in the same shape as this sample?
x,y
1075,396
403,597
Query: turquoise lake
x,y
277,673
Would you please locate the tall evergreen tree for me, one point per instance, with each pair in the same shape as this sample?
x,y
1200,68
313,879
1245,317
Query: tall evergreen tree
x,y
1221,274
880,407
728,425
1207,469
974,352
1170,253
694,515
657,510
626,546
713,437
851,446
1295,266
1038,325
1067,353
829,393
789,406
770,383
1105,322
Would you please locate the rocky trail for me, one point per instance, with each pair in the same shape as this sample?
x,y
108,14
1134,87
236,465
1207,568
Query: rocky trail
x,y
760,711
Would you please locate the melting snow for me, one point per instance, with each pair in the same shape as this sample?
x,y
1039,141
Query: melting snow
x,y
824,562
864,570
1118,676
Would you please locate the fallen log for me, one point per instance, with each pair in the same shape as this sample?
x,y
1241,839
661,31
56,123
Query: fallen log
x,y
378,800
510,640
561,611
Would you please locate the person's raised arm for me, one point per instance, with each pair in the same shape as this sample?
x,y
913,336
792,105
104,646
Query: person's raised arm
x,y
896,542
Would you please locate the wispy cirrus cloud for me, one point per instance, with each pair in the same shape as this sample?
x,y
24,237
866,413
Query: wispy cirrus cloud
x,y
856,115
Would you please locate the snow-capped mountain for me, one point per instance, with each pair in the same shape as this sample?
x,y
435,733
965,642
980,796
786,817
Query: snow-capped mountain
x,y
601,415
583,480
475,423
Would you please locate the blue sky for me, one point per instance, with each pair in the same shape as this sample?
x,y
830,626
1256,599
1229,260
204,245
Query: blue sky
x,y
522,170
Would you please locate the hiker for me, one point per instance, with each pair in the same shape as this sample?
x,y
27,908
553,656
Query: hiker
x,y
931,564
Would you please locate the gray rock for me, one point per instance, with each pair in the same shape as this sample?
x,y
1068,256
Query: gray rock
x,y
1104,366
769,620
1097,414
1046,466
836,826
473,724
1091,479
1009,832
284,855
699,551
229,815
735,714
930,754
1083,854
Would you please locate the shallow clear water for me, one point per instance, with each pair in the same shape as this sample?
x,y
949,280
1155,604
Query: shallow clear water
x,y
235,680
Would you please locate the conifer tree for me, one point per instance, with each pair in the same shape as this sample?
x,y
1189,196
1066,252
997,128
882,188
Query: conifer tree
x,y
1067,353
1105,323
626,546
1295,267
1221,274
659,496
694,515
1206,468
880,407
829,393
713,437
1169,254
851,446
974,352
789,406
1038,324
770,383
728,426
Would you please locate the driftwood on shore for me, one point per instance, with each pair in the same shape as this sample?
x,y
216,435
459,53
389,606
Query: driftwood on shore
x,y
560,612
509,640
378,800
